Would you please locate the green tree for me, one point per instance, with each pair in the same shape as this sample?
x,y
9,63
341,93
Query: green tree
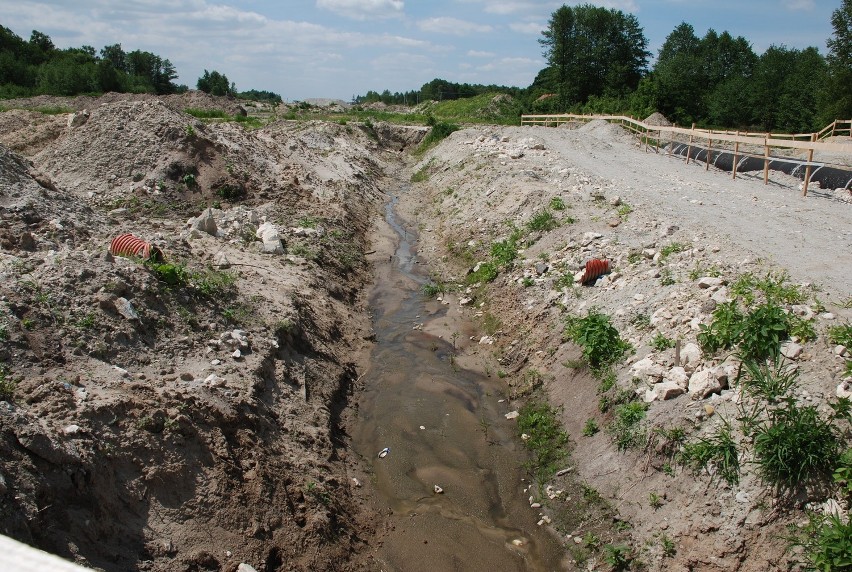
x,y
837,99
594,52
215,83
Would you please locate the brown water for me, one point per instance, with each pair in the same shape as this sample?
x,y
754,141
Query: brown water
x,y
443,426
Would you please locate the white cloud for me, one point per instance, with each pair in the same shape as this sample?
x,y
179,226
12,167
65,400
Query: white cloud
x,y
533,28
364,9
480,54
799,5
454,26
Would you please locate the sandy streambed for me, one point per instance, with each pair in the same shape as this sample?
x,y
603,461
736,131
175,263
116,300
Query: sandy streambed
x,y
443,425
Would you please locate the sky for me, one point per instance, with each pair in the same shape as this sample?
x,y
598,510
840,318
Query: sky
x,y
304,49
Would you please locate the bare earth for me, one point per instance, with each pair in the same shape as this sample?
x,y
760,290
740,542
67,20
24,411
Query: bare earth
x,y
206,424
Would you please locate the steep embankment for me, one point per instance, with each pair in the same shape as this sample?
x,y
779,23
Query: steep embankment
x,y
527,207
184,415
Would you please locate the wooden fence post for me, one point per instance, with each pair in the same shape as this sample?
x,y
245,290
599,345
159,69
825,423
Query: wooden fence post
x,y
709,149
766,160
689,148
734,164
808,168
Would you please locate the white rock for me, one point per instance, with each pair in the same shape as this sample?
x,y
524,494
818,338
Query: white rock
x,y
486,340
704,382
791,350
690,355
268,232
840,350
205,223
742,497
125,308
646,368
678,376
535,505
438,490
220,260
272,247
844,391
355,482
669,390
512,415
237,354
243,567
72,429
709,282
803,310
465,301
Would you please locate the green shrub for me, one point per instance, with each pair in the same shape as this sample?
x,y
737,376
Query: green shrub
x,y
543,221
842,475
795,445
827,544
547,440
214,283
565,280
717,453
171,274
590,428
504,252
7,386
601,343
432,289
841,335
422,174
619,557
670,249
661,343
724,329
487,272
440,131
626,429
762,332
768,380
557,204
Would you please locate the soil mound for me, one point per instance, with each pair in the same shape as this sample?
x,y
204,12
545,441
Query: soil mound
x,y
658,119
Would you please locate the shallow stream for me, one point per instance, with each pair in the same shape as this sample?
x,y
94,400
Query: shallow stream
x,y
445,426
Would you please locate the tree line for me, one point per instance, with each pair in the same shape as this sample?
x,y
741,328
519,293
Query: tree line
x,y
598,62
38,67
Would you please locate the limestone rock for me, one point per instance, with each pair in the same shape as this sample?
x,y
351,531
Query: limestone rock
x,y
708,282
206,222
690,355
125,308
707,381
791,350
668,390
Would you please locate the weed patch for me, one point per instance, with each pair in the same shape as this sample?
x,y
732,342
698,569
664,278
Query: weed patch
x,y
547,440
602,345
717,453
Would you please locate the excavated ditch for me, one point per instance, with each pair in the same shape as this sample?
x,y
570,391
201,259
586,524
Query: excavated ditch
x,y
442,426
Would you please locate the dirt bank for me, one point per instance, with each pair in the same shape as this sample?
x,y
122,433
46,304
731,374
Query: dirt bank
x,y
678,238
183,416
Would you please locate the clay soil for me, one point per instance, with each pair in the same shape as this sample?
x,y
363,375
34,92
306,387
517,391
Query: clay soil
x,y
199,419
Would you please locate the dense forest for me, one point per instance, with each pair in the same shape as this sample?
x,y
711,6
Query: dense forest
x,y
598,63
37,67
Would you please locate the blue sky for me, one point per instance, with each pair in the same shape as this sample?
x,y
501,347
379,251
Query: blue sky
x,y
340,48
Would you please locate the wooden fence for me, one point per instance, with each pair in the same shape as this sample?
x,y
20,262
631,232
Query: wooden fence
x,y
807,142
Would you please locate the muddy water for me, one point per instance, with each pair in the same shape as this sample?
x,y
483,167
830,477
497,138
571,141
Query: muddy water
x,y
443,426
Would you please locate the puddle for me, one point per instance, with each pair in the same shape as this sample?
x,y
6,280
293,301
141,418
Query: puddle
x,y
442,425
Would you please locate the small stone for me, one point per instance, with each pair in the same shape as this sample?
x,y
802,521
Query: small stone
x,y
710,282
535,505
512,415
71,429
186,376
237,354
220,260
705,382
791,350
709,409
844,391
742,497
243,567
561,472
518,542
214,380
840,350
438,490
205,223
125,309
215,362
384,452
355,482
669,390
422,427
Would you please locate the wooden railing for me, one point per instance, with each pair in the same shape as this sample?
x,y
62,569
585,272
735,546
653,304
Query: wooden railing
x,y
810,142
